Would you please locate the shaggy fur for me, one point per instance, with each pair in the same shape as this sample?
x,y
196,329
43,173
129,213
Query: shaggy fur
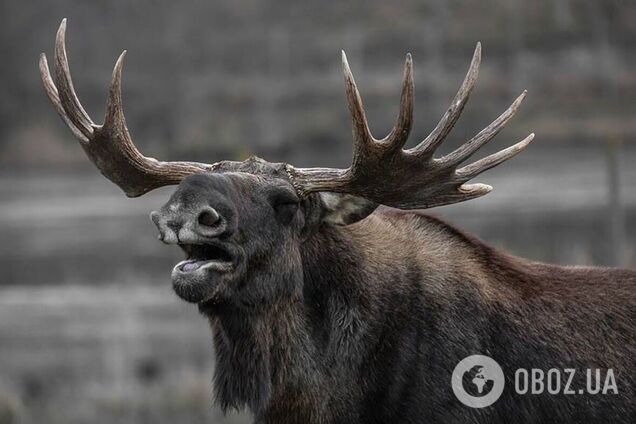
x,y
391,304
365,323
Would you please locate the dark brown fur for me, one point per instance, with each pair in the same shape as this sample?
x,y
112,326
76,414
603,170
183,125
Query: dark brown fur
x,y
389,305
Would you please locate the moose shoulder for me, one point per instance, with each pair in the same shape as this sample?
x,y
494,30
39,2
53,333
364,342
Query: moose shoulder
x,y
331,296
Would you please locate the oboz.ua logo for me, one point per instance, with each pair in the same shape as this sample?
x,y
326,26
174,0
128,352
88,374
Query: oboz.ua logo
x,y
478,381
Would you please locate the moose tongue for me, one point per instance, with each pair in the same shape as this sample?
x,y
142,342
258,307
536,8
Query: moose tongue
x,y
191,266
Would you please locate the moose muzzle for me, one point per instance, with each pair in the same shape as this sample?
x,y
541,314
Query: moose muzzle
x,y
203,233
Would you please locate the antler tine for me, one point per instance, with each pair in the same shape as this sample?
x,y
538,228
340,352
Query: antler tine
x,y
472,191
470,171
362,138
75,112
51,92
400,133
114,127
114,109
428,146
484,136
462,194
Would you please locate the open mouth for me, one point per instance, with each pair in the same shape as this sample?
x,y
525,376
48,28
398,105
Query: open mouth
x,y
200,257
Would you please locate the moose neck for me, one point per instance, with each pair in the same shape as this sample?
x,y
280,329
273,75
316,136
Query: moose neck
x,y
277,360
266,360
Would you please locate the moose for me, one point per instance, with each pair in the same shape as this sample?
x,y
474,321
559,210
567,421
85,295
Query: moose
x,y
331,296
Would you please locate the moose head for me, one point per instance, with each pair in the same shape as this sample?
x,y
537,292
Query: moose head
x,y
242,224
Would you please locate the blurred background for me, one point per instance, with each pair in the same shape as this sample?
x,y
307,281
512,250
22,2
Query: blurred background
x,y
89,328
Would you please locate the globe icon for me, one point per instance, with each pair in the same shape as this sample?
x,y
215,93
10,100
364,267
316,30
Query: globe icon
x,y
476,382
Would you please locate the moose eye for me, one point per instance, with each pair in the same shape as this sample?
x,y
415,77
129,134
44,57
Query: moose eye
x,y
285,204
286,211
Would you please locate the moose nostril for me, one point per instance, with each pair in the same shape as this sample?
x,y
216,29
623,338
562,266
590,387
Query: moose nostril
x,y
208,217
174,225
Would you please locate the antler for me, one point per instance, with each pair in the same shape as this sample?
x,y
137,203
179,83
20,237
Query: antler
x,y
109,146
383,172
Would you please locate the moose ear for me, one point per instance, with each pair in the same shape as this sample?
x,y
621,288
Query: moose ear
x,y
345,209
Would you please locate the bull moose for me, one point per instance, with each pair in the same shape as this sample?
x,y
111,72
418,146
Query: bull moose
x,y
333,299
